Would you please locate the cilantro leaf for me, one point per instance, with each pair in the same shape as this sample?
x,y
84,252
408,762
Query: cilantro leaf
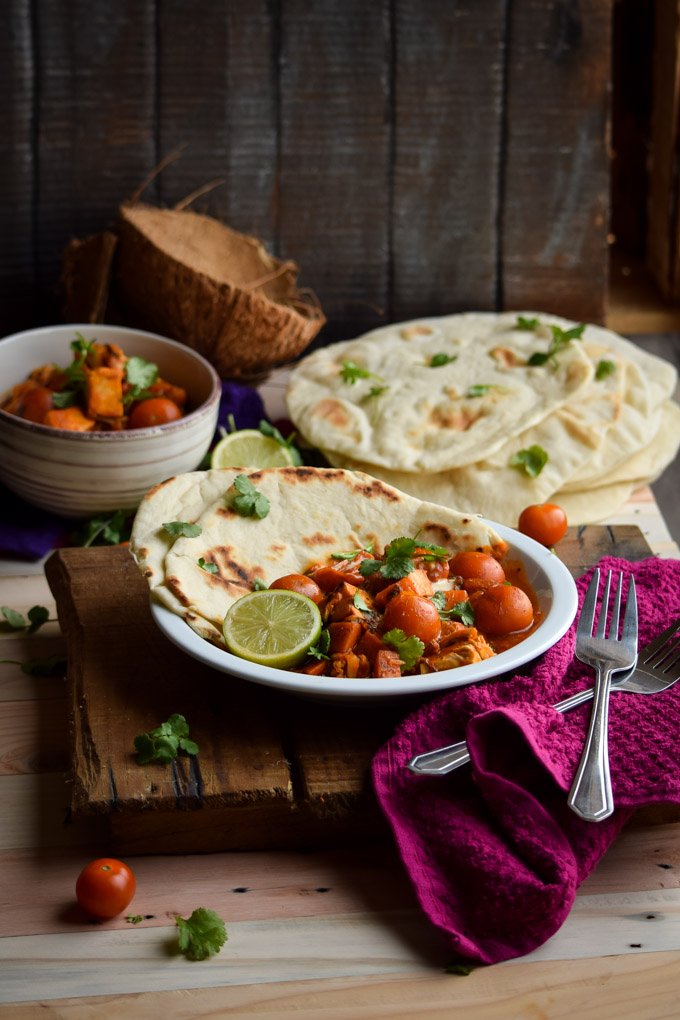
x,y
162,744
531,461
320,649
182,528
106,529
604,368
208,566
202,934
259,584
376,391
462,611
350,372
37,616
352,553
398,559
64,398
47,666
270,430
139,375
409,649
439,359
478,390
134,918
360,602
526,324
560,339
249,502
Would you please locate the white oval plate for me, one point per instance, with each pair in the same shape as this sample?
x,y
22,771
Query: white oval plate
x,y
547,575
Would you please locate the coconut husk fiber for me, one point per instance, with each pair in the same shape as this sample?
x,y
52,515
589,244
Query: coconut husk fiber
x,y
192,278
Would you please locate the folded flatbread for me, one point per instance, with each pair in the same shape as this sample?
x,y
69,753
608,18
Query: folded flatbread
x,y
313,512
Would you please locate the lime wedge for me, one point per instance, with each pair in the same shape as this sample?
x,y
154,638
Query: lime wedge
x,y
272,628
250,448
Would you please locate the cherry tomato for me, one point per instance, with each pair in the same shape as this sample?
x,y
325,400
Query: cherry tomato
x,y
154,411
300,583
415,615
544,522
105,887
36,403
503,609
478,565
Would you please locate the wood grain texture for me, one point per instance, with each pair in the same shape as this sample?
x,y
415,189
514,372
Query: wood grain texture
x,y
448,113
556,179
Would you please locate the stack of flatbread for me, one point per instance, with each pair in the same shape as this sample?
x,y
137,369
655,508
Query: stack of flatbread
x,y
457,409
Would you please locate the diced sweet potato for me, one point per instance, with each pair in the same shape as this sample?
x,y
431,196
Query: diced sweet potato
x,y
344,636
104,393
387,663
71,418
417,582
315,668
349,665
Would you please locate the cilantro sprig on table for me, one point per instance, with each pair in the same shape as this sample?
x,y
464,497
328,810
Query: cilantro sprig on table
x,y
162,744
202,934
398,560
248,501
34,619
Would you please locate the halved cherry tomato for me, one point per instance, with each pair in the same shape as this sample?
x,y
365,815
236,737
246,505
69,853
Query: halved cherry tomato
x,y
477,564
300,583
415,615
105,887
154,411
544,522
36,403
503,609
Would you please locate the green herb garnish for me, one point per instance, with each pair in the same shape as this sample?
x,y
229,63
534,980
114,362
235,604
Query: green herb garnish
x,y
207,565
37,616
604,368
322,646
259,585
270,430
398,560
134,918
409,649
202,934
376,391
352,553
249,502
163,744
139,375
439,359
360,603
350,372
106,529
65,398
47,666
531,461
182,528
478,390
560,339
526,324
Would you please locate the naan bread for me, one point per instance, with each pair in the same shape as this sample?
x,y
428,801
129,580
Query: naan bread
x,y
313,513
424,419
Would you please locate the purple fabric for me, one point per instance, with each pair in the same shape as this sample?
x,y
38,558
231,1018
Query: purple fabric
x,y
493,851
29,533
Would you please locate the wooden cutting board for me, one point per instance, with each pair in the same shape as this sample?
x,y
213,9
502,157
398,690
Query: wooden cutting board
x,y
273,770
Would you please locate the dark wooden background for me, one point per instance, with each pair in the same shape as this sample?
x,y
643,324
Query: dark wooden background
x,y
413,156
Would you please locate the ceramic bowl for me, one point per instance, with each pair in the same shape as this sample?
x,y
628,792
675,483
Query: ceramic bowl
x,y
78,474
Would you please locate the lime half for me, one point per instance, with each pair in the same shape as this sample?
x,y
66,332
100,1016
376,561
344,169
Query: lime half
x,y
250,448
272,628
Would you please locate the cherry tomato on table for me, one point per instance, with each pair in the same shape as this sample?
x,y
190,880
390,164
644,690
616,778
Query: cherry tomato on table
x,y
105,887
480,565
300,583
36,403
154,411
544,522
503,609
415,615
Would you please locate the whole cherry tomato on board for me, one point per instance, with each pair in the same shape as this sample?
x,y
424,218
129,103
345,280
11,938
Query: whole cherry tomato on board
x,y
544,522
36,403
470,563
300,583
154,411
415,615
503,609
105,887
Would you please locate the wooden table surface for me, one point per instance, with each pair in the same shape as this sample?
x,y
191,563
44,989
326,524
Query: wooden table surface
x,y
335,934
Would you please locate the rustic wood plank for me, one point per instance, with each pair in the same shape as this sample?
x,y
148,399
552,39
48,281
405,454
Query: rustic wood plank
x,y
217,98
96,128
17,159
555,215
334,156
31,736
448,100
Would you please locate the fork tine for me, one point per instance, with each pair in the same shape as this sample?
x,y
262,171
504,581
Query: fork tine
x,y
585,620
659,644
602,620
616,608
630,616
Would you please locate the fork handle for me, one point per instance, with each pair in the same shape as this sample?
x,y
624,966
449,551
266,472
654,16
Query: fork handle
x,y
591,794
445,759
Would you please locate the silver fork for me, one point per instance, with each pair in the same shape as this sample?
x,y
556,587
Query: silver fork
x,y
591,795
658,668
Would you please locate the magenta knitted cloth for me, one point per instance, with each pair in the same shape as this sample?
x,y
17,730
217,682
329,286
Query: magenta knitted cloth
x,y
493,851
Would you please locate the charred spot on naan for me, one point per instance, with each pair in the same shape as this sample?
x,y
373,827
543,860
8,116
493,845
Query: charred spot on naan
x,y
373,488
318,539
334,413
